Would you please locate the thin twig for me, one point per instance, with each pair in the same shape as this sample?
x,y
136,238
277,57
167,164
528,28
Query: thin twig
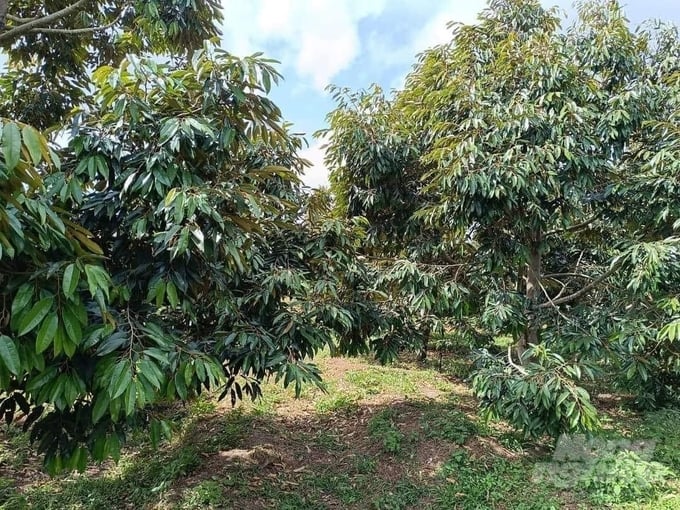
x,y
520,369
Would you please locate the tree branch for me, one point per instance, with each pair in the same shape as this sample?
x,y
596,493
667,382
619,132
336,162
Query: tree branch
x,y
31,26
17,19
520,369
583,290
555,276
578,226
77,31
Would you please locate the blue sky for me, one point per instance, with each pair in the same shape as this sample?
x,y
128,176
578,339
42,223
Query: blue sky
x,y
354,43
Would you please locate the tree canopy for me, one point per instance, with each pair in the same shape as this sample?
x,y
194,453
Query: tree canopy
x,y
543,172
520,194
158,242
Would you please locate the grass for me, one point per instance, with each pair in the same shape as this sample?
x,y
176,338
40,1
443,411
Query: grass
x,y
380,438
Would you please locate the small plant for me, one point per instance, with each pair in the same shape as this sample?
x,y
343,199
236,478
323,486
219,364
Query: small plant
x,y
10,498
365,465
468,482
328,440
383,427
341,403
207,494
664,427
376,380
451,425
338,484
202,406
624,477
404,495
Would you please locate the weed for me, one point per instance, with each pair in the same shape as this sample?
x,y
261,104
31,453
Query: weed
x,y
376,380
15,449
404,495
450,425
489,484
207,494
364,465
227,432
338,404
624,477
328,441
346,489
383,427
202,406
295,501
10,498
663,426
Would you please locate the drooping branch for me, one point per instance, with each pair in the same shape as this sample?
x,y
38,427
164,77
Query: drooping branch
x,y
520,369
582,290
38,24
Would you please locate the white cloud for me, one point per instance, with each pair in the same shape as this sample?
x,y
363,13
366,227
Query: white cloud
x,y
317,174
320,37
435,31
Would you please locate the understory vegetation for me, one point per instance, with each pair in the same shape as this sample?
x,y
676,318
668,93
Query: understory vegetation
x,y
382,437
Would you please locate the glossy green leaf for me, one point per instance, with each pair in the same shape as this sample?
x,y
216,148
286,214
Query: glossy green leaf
x,y
10,355
34,142
35,315
46,333
71,279
11,145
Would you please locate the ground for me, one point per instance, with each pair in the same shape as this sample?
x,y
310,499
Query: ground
x,y
382,438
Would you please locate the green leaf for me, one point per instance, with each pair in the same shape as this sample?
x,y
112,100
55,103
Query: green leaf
x,y
171,293
11,145
120,379
46,333
97,277
34,143
168,130
130,399
22,298
10,355
101,405
72,326
71,279
35,315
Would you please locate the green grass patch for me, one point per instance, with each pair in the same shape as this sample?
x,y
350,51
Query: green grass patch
x,y
449,424
382,427
323,455
490,483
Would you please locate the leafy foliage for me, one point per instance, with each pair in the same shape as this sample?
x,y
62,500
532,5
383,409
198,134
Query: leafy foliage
x,y
541,397
168,253
64,40
623,477
542,177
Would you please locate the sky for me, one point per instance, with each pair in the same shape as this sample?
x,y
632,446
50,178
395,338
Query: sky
x,y
354,43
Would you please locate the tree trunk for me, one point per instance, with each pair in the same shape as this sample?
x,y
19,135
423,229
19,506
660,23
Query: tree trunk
x,y
532,292
422,354
3,13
